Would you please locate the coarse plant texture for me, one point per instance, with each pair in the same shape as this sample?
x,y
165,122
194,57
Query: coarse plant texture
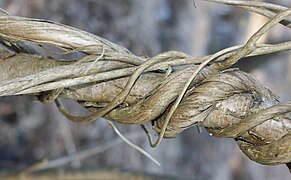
x,y
173,91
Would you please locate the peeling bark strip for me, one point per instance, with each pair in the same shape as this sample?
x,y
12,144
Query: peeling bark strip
x,y
112,82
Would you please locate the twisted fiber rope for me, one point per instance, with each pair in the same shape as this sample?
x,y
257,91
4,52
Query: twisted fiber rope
x,y
220,101
134,90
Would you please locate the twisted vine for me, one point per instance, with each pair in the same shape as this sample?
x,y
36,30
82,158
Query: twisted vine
x,y
112,82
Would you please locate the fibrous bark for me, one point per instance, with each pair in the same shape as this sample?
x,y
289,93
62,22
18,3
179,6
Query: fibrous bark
x,y
172,90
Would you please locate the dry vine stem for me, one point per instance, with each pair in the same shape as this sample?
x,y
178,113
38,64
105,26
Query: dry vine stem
x,y
129,89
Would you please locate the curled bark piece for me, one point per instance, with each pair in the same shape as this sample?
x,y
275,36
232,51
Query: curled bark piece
x,y
47,32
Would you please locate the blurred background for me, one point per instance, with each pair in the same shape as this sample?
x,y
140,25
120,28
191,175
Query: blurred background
x,y
31,132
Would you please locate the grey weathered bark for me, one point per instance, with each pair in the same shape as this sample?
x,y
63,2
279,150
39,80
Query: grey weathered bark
x,y
228,103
